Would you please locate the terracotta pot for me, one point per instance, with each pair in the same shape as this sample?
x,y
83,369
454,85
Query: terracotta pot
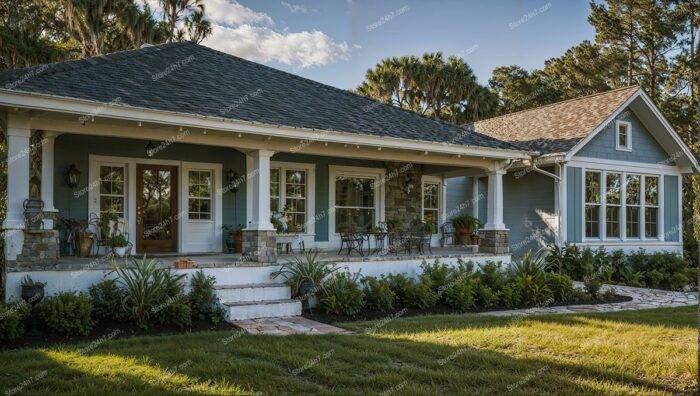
x,y
391,230
237,241
184,264
462,233
84,244
475,239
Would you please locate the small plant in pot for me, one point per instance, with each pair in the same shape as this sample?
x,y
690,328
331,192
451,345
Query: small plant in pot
x,y
305,274
475,238
464,225
392,225
234,238
119,242
32,292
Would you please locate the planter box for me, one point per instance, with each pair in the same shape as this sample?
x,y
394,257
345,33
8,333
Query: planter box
x,y
184,264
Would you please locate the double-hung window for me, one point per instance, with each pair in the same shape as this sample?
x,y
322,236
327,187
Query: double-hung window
x,y
623,136
354,203
200,194
431,204
593,201
634,202
288,193
651,207
613,189
112,189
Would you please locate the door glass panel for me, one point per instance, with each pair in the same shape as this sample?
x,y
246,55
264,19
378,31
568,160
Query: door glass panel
x,y
156,210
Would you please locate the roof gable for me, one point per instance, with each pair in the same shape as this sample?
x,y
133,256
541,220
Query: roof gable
x,y
196,80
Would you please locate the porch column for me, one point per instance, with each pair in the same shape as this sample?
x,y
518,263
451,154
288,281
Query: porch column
x,y
494,235
18,133
47,174
259,238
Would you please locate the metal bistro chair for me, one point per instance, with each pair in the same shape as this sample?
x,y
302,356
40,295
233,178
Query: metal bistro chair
x,y
351,240
447,230
380,238
420,236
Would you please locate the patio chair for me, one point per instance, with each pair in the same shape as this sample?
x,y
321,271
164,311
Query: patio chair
x,y
100,236
447,230
351,240
420,236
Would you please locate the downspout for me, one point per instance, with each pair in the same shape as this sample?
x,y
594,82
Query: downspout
x,y
544,172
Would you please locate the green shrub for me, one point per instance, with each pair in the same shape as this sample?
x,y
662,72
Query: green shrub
x,y
413,294
106,298
492,275
308,269
459,294
634,279
534,290
509,295
202,298
439,274
143,283
12,320
172,307
378,293
341,295
562,287
67,313
485,296
678,281
654,278
592,286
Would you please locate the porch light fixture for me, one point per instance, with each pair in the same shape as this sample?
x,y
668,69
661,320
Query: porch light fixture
x,y
150,150
409,184
232,180
72,176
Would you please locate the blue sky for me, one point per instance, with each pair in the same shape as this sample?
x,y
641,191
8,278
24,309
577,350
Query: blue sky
x,y
336,41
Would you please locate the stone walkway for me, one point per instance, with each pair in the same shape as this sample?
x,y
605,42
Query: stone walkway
x,y
641,299
287,326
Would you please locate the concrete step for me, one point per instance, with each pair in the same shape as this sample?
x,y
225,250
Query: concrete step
x,y
262,309
253,292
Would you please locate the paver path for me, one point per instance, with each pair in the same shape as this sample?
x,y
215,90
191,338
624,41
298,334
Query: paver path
x,y
287,326
641,299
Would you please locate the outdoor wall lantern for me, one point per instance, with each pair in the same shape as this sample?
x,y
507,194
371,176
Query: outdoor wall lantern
x,y
150,150
72,176
409,184
232,180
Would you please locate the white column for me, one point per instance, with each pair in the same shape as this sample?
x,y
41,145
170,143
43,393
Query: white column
x,y
259,177
47,174
494,210
475,196
18,133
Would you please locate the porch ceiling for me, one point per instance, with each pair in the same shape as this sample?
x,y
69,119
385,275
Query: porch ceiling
x,y
246,141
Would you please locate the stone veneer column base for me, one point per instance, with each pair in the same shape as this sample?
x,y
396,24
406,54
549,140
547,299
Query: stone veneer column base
x,y
493,241
39,250
260,246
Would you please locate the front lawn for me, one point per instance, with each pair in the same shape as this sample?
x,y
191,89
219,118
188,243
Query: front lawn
x,y
644,352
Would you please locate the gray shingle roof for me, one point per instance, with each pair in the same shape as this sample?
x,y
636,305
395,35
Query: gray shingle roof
x,y
558,127
193,79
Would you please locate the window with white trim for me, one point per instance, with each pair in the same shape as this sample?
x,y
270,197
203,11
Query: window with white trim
x,y
592,199
288,196
431,204
651,207
634,203
354,203
112,189
613,183
199,200
623,136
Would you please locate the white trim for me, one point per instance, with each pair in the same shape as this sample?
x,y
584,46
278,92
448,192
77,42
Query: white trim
x,y
136,114
614,165
628,146
379,174
310,170
95,161
562,203
441,204
216,221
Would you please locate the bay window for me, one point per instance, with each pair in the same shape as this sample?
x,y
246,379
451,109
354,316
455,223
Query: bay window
x,y
626,206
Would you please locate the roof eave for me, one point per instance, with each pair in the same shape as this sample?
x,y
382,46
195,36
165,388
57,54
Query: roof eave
x,y
47,102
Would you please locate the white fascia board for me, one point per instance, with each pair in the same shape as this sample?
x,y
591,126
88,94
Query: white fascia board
x,y
118,111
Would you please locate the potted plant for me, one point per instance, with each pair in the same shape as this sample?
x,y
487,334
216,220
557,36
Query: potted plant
x,y
119,242
234,238
430,228
375,230
475,238
277,223
32,292
305,274
393,224
464,224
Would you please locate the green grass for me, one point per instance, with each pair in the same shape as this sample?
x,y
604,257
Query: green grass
x,y
645,352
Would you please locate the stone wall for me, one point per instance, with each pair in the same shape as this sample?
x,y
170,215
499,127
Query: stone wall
x,y
493,241
39,251
260,246
401,203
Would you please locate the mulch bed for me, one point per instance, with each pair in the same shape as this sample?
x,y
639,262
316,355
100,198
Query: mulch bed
x,y
320,316
114,330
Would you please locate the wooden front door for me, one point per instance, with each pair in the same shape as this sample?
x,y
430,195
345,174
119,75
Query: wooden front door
x,y
156,208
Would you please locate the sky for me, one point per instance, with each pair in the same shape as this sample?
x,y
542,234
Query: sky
x,y
336,41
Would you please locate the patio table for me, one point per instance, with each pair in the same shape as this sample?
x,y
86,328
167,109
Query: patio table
x,y
379,238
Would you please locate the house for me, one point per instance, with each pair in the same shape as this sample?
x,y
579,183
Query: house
x,y
609,173
172,142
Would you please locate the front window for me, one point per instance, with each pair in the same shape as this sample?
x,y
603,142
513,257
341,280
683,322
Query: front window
x,y
431,199
592,204
354,203
200,197
633,205
624,137
112,190
612,209
651,207
288,196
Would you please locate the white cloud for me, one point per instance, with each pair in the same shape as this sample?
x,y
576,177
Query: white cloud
x,y
241,31
297,8
224,12
259,43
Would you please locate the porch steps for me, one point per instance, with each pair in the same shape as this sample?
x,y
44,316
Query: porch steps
x,y
257,300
